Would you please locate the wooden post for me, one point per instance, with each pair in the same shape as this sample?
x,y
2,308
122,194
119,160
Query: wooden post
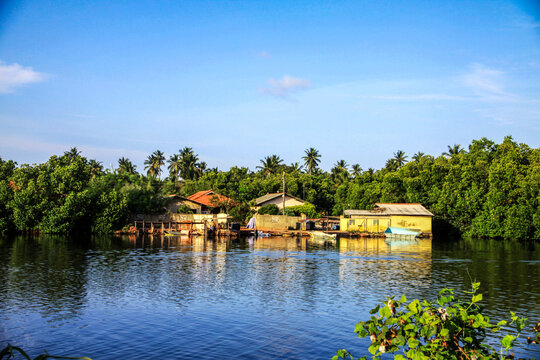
x,y
162,227
143,226
283,193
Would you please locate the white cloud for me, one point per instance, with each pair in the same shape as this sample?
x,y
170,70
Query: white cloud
x,y
15,75
285,86
484,81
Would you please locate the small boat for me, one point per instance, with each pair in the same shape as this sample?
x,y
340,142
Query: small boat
x,y
176,233
263,234
400,233
319,235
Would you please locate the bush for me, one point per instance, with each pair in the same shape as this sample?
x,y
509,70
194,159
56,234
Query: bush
x,y
269,209
307,209
240,213
446,329
185,210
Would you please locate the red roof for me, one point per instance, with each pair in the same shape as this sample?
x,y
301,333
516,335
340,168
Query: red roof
x,y
208,198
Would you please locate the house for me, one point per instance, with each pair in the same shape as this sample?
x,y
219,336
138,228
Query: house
x,y
277,199
174,202
212,202
408,216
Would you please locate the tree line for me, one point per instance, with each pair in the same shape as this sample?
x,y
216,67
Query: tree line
x,y
488,190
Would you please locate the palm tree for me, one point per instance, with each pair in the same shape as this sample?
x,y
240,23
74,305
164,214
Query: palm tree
x,y
391,164
174,167
453,150
154,163
312,159
188,160
72,154
340,173
400,158
419,155
126,166
96,167
270,164
201,168
356,170
295,167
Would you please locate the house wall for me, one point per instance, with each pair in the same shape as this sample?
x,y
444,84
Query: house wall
x,y
276,222
371,224
279,202
421,223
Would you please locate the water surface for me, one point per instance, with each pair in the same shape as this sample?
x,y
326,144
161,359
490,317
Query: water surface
x,y
271,298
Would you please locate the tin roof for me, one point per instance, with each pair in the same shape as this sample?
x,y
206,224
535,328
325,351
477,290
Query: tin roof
x,y
268,197
384,209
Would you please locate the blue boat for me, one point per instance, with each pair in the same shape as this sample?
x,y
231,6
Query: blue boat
x,y
400,233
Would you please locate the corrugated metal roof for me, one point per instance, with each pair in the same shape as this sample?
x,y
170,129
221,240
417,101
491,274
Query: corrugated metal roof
x,y
384,209
268,197
403,209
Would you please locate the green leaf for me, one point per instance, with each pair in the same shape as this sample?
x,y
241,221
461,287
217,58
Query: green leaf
x,y
413,343
374,310
476,298
444,332
507,341
374,348
403,299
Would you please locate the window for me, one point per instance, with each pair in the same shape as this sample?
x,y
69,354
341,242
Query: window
x,y
375,222
351,222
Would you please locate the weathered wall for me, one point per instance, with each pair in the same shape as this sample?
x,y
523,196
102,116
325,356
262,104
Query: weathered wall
x,y
421,223
276,222
216,218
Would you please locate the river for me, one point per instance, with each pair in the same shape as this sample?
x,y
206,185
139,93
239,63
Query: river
x,y
271,298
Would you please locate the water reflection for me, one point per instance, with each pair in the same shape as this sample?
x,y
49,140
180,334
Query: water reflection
x,y
220,295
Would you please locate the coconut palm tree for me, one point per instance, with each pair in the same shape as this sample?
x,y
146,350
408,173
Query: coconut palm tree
x,y
356,170
270,164
400,158
153,163
174,167
391,164
419,155
96,167
201,168
188,168
339,172
72,154
126,166
453,150
312,159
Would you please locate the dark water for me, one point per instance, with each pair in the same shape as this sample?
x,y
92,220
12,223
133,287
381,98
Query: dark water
x,y
275,298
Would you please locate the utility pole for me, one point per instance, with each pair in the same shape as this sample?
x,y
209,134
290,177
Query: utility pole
x,y
283,193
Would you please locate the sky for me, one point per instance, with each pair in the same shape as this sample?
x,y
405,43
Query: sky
x,y
241,80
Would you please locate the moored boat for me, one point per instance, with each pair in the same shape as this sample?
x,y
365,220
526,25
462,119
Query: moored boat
x,y
400,233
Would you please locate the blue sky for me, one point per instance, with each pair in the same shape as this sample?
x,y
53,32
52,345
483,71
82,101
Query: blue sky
x,y
240,80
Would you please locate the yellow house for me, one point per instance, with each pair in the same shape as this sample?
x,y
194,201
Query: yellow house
x,y
407,216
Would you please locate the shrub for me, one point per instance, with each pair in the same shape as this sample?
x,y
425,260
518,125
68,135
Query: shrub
x,y
269,209
448,328
307,209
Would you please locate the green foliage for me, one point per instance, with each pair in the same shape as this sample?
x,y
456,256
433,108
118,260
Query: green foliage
x,y
269,209
241,213
185,210
448,328
489,190
10,351
307,209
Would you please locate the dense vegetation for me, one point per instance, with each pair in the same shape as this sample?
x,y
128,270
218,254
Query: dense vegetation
x,y
491,190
